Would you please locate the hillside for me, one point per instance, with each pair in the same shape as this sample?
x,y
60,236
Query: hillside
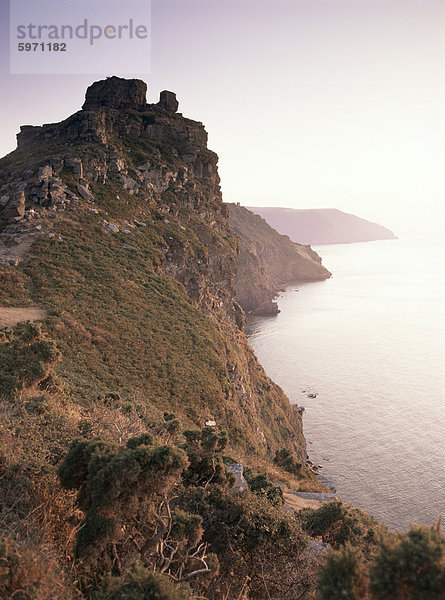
x,y
322,225
144,452
268,261
113,223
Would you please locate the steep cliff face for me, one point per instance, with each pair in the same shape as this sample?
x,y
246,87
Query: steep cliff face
x,y
113,221
268,261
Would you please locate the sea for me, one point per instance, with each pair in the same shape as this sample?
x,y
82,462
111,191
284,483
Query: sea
x,y
364,353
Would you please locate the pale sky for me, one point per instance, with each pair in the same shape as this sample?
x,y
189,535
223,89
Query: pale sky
x,y
309,103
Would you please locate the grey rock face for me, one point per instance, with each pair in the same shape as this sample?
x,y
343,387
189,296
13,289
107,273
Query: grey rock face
x,y
15,209
168,101
240,484
117,93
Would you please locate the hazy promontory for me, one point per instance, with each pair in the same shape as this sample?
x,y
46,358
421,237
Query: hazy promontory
x,y
322,225
268,261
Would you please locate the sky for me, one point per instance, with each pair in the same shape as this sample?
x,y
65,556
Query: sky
x,y
308,103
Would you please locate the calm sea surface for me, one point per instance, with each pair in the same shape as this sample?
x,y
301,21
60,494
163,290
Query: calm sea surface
x,y
370,343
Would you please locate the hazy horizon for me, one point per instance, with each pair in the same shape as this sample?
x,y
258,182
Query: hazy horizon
x,y
309,104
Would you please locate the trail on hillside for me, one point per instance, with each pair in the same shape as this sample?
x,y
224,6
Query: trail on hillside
x,y
9,317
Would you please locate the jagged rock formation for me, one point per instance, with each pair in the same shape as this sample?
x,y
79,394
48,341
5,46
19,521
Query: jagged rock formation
x,y
268,262
168,101
117,93
128,248
322,225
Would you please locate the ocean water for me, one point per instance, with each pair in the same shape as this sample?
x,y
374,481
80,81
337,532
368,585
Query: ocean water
x,y
370,342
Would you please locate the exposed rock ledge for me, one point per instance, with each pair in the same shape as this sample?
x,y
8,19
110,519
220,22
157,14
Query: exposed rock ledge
x,y
268,262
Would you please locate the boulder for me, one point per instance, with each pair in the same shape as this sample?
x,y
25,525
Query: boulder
x,y
15,210
85,193
168,101
241,484
266,309
117,93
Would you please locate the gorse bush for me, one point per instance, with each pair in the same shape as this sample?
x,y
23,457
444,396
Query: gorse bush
x,y
26,357
406,566
260,547
286,460
342,575
116,485
411,567
204,450
141,584
336,524
261,485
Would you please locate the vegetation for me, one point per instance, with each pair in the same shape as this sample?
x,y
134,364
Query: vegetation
x,y
342,575
111,487
260,484
285,459
408,566
141,584
26,358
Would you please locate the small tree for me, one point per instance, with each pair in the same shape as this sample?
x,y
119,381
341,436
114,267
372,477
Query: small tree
x,y
261,485
334,522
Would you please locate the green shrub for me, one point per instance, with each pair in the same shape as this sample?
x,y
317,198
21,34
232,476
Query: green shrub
x,y
26,358
144,585
254,541
342,575
334,522
286,460
411,567
204,450
116,485
261,485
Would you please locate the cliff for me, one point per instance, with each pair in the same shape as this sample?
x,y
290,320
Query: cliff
x,y
114,236
112,222
322,225
268,261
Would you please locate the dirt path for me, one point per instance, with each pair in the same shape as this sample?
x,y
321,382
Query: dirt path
x,y
297,503
11,316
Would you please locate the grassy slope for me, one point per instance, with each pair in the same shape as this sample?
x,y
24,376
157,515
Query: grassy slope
x,y
125,327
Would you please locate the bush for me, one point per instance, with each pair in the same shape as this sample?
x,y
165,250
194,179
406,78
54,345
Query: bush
x,y
286,460
410,568
116,485
204,450
26,358
144,585
255,542
334,522
341,575
261,485
29,572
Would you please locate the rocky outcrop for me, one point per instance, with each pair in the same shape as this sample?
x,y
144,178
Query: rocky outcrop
x,y
13,207
168,101
268,262
116,93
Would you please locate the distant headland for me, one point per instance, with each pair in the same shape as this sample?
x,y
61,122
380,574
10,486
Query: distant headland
x,y
319,226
